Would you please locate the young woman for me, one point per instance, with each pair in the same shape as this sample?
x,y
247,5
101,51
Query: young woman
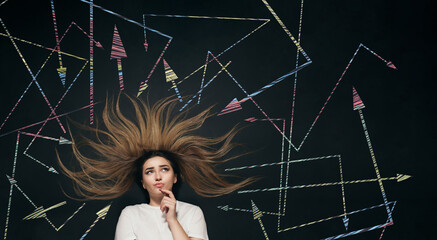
x,y
164,217
157,148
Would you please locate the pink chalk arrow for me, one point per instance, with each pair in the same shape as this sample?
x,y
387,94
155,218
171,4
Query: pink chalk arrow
x,y
357,102
118,52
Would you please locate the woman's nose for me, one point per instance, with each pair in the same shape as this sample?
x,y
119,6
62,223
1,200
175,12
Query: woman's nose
x,y
158,176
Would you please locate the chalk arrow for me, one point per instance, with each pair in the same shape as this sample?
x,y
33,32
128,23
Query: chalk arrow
x,y
388,63
60,140
224,208
251,119
62,72
40,212
391,65
398,178
63,140
100,215
257,214
346,222
118,52
171,76
402,177
11,180
51,169
357,102
99,45
233,106
227,208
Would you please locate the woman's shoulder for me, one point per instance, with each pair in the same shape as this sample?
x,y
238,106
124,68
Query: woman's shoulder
x,y
187,207
134,208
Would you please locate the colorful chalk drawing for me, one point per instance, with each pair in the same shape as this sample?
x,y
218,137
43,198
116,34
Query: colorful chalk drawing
x,y
176,83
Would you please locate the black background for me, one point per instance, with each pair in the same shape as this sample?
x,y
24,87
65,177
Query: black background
x,y
400,106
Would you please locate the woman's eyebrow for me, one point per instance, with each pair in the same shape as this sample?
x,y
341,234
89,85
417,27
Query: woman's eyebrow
x,y
165,165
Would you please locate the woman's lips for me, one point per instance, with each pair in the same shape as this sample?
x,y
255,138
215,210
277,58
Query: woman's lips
x,y
159,185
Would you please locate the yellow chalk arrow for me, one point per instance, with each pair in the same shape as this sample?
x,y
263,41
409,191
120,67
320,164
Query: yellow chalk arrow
x,y
257,214
100,215
40,212
398,178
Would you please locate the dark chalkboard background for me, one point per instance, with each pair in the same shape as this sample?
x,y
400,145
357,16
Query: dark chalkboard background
x,y
398,115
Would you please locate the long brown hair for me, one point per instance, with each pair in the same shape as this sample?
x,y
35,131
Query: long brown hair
x,y
112,168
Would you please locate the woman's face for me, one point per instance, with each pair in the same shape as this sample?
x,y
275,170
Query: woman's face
x,y
157,173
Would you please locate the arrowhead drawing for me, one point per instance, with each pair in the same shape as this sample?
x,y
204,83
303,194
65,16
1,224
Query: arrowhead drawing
x,y
62,72
102,213
117,51
256,212
170,75
11,180
142,88
357,102
63,140
51,169
37,213
40,212
99,45
233,106
224,208
402,177
391,65
346,222
251,119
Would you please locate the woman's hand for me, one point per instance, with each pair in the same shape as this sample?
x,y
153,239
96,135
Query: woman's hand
x,y
168,205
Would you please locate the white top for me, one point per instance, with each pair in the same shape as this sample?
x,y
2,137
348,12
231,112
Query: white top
x,y
145,222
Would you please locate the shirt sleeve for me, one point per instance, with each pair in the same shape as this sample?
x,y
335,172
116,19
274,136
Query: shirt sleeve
x,y
124,230
197,226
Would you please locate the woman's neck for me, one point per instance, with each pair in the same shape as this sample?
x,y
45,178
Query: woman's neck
x,y
155,201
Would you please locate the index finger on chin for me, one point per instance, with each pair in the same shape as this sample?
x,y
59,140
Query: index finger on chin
x,y
171,195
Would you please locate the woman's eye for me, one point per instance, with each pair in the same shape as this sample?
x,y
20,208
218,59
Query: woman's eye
x,y
165,169
148,172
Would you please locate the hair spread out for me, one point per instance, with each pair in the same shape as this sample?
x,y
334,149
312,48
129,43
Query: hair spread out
x,y
111,168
